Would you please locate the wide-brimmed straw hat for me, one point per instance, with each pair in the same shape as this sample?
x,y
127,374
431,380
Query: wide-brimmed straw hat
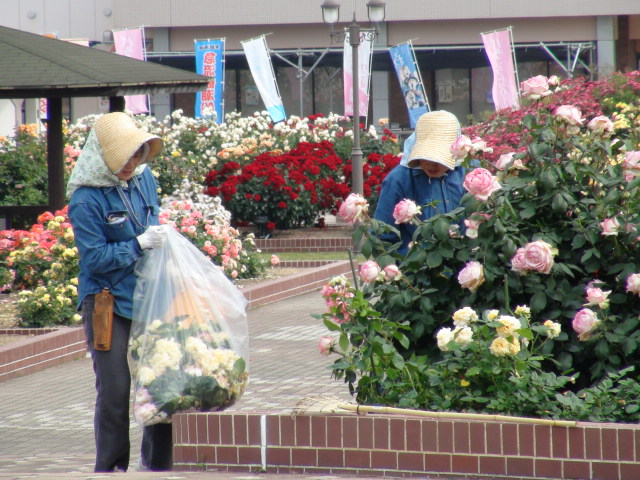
x,y
435,132
120,137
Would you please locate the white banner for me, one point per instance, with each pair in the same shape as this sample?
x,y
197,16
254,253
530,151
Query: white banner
x,y
365,50
261,68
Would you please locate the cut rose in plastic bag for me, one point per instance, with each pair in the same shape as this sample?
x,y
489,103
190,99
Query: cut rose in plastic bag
x,y
189,338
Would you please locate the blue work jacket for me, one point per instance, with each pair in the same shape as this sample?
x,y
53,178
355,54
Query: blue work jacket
x,y
413,184
105,233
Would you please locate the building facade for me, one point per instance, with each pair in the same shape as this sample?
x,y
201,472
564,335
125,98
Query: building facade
x,y
563,38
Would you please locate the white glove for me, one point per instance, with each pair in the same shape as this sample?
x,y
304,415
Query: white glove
x,y
153,237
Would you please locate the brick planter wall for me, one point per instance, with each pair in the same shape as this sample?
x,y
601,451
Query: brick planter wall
x,y
338,244
41,348
405,446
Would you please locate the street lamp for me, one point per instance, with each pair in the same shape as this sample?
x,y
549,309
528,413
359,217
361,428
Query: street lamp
x,y
331,15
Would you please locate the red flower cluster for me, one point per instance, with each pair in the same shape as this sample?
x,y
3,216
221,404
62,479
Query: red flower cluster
x,y
294,188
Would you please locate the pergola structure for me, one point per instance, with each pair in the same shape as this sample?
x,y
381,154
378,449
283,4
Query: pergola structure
x,y
35,66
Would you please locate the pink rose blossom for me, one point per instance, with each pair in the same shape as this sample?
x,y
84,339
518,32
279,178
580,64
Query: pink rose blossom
x,y
596,296
473,224
369,271
571,116
584,322
392,271
535,87
504,160
353,208
633,283
275,260
405,210
534,256
471,276
538,256
631,165
481,184
325,344
554,81
601,125
517,261
461,147
610,226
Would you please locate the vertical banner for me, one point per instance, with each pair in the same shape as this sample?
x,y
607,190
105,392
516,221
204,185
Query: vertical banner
x,y
505,84
410,80
261,68
365,51
210,63
130,43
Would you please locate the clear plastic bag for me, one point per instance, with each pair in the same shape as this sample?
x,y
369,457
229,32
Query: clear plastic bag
x,y
189,342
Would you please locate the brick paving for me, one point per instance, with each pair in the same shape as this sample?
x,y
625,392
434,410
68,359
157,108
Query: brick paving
x,y
46,418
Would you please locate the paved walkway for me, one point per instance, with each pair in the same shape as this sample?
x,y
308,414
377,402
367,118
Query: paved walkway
x,y
46,418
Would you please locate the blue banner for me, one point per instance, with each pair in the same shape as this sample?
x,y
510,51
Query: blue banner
x,y
210,63
410,80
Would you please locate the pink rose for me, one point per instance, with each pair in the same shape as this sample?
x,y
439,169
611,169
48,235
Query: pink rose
x,y
391,271
504,160
538,256
633,283
568,114
584,322
275,260
353,208
596,296
480,183
473,223
554,81
601,125
461,147
535,87
325,344
631,164
610,226
369,271
517,261
405,210
471,276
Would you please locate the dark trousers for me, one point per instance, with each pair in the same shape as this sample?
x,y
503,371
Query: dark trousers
x,y
111,419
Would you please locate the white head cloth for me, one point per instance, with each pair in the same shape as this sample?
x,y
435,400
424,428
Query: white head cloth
x,y
91,171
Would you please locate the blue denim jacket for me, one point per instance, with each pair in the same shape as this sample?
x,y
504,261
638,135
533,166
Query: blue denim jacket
x,y
105,234
413,184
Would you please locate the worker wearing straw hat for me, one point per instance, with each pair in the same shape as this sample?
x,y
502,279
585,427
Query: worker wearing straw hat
x,y
426,174
114,213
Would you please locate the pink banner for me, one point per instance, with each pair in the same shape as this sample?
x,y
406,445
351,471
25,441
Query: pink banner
x,y
505,87
364,72
130,43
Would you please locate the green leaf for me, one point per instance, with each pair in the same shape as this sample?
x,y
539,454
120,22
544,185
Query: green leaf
x,y
539,301
434,259
331,325
344,342
441,229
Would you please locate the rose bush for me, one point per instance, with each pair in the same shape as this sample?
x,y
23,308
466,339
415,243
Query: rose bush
x,y
558,219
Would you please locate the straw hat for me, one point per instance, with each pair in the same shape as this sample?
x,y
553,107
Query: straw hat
x,y
435,132
120,137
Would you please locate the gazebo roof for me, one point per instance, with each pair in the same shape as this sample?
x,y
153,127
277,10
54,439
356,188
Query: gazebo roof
x,y
35,66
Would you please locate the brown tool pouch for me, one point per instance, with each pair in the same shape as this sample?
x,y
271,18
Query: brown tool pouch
x,y
103,320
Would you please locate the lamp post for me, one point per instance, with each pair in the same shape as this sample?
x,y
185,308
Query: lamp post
x,y
331,15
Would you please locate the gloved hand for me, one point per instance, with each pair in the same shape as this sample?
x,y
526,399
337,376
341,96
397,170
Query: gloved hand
x,y
153,237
